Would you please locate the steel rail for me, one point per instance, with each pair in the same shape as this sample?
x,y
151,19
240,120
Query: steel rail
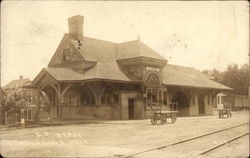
x,y
218,145
182,141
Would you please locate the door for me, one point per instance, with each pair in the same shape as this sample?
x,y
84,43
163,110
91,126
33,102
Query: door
x,y
131,108
201,102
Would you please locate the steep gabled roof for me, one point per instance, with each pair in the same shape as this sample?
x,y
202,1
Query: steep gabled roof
x,y
98,50
65,39
95,50
134,49
186,76
106,54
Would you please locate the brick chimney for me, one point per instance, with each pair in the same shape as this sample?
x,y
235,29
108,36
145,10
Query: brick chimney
x,y
76,27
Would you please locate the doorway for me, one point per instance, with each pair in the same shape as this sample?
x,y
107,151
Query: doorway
x,y
131,108
201,102
53,110
183,104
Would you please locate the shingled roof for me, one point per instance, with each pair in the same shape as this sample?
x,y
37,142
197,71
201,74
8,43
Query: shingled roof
x,y
94,49
106,54
185,76
97,72
173,75
136,49
99,50
64,74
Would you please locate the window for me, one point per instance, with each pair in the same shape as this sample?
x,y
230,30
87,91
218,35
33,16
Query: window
x,y
66,54
110,97
87,97
152,80
152,94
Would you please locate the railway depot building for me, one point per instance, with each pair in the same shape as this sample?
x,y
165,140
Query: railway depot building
x,y
89,78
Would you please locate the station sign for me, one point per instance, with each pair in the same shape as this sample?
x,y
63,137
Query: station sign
x,y
152,69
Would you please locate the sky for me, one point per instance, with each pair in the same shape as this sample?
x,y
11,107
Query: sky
x,y
198,34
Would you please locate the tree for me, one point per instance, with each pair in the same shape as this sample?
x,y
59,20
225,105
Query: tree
x,y
234,77
16,101
214,74
237,78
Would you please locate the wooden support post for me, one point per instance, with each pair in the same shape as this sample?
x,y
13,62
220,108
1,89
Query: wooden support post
x,y
59,97
162,97
157,97
94,92
146,98
100,94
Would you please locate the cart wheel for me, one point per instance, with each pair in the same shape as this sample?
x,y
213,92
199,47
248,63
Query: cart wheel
x,y
163,120
154,120
173,118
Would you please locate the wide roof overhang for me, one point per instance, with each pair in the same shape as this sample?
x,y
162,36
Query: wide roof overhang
x,y
192,79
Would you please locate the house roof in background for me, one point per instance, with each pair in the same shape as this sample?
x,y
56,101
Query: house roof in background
x,y
2,92
14,84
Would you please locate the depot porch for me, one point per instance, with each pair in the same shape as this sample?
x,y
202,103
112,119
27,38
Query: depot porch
x,y
122,101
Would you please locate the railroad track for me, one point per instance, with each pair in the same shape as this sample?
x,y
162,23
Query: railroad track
x,y
191,140
218,145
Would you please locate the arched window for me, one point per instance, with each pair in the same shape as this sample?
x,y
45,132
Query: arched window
x,y
154,92
152,80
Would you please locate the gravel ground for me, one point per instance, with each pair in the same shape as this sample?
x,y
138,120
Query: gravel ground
x,y
107,139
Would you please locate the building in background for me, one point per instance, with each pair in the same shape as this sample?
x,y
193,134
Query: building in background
x,y
3,97
23,86
232,101
16,85
89,78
